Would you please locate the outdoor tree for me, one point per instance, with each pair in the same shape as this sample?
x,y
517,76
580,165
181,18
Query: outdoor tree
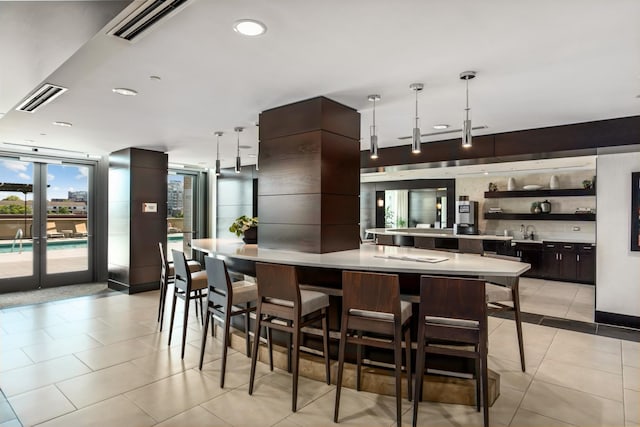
x,y
13,198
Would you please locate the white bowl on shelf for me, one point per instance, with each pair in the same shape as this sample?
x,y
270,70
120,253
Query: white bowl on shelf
x,y
532,187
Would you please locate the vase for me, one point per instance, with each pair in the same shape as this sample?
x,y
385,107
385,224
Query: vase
x,y
511,184
251,236
553,184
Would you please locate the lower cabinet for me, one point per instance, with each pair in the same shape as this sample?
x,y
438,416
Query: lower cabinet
x,y
531,253
571,262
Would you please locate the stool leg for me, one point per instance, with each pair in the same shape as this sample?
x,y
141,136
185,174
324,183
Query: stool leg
x,y
358,361
407,342
225,343
269,335
478,383
417,397
289,343
247,339
184,324
485,386
397,360
325,344
341,351
256,344
296,358
516,309
173,314
204,338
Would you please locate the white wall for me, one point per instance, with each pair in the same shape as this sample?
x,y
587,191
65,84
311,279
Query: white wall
x,y
618,268
475,186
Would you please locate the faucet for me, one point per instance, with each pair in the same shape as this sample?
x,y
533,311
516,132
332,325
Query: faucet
x,y
531,234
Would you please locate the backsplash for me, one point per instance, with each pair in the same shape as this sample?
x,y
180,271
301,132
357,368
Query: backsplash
x,y
474,187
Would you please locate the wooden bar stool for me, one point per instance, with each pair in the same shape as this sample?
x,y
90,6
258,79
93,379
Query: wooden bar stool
x,y
453,311
501,290
280,299
371,304
226,299
167,274
187,286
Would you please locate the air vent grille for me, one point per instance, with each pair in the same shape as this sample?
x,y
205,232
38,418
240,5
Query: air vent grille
x,y
42,96
144,17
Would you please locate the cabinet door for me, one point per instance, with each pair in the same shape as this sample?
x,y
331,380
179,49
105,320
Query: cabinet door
x,y
531,255
549,266
586,269
568,266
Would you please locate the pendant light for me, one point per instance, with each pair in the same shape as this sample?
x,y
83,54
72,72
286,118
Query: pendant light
x,y
466,123
415,140
374,135
238,163
258,146
218,135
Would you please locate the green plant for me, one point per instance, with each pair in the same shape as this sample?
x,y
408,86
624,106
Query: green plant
x,y
389,217
242,224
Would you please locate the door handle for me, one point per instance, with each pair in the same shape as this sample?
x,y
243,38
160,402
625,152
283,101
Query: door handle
x,y
578,258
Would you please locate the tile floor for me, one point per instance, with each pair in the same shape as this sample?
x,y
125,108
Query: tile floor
x,y
102,362
573,301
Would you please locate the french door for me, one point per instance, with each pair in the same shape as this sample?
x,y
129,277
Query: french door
x,y
46,223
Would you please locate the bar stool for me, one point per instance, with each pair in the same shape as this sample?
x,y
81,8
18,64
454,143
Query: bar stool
x,y
280,299
371,304
167,274
226,299
453,311
187,286
501,290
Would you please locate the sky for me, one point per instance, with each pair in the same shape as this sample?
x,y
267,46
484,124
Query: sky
x,y
60,178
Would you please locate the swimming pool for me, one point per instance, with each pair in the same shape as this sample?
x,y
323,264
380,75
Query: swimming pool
x,y
5,248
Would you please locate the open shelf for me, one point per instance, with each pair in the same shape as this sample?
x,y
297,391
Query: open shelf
x,y
560,192
541,216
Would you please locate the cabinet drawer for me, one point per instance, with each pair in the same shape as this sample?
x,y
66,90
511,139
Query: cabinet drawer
x,y
551,246
567,247
586,247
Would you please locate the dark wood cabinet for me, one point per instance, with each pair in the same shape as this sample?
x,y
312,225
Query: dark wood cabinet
x,y
571,262
530,253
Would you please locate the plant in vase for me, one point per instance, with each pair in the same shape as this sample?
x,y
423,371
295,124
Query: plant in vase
x,y
247,226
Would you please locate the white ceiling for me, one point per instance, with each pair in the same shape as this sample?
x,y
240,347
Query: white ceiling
x,y
539,64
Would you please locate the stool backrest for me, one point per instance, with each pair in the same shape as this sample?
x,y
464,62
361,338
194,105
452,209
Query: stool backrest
x,y
163,259
371,291
220,287
278,281
453,298
183,275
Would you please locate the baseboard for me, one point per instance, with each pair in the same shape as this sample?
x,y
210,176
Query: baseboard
x,y
617,319
128,289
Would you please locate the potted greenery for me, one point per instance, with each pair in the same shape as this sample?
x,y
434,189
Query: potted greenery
x,y
247,226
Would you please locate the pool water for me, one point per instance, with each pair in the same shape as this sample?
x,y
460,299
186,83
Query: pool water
x,y
5,248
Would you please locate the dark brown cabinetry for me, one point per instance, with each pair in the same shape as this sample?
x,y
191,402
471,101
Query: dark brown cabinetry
x,y
570,262
531,253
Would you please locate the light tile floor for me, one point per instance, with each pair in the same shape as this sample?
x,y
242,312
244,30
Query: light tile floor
x,y
559,299
102,362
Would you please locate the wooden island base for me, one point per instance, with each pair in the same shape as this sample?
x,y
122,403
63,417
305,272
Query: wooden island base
x,y
374,380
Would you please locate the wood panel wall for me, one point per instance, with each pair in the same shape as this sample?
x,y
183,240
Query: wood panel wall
x,y
136,176
309,179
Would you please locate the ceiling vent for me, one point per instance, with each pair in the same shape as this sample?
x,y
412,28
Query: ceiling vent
x,y
42,96
146,16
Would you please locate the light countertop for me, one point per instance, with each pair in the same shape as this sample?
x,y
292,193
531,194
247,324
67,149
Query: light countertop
x,y
431,232
370,258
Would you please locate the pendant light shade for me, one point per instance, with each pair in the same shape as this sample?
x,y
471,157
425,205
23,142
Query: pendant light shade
x,y
238,162
466,123
374,131
415,140
218,135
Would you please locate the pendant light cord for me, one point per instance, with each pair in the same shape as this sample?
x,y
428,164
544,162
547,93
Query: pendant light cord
x,y
417,108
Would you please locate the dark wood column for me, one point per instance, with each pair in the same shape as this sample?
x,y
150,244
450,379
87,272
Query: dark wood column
x,y
309,178
136,177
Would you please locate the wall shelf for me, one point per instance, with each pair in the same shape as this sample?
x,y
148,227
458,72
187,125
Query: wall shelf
x,y
541,216
560,192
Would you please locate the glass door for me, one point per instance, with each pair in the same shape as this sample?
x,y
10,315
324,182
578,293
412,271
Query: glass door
x,y
45,227
183,215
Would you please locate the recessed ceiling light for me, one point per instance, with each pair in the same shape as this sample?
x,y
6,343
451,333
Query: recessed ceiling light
x,y
441,126
124,91
63,124
43,134
486,173
156,78
249,27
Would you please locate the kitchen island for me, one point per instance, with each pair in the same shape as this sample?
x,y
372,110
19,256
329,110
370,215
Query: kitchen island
x,y
326,269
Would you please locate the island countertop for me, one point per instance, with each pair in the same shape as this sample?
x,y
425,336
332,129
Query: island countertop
x,y
431,232
371,258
